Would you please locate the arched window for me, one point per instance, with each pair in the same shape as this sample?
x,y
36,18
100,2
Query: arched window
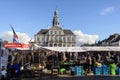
x,y
50,45
55,45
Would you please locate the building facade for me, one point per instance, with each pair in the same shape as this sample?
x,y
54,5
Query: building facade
x,y
55,36
112,40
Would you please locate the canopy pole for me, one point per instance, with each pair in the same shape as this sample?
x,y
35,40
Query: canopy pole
x,y
64,56
22,66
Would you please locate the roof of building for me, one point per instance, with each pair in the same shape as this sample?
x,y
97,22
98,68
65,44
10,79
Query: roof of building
x,y
66,31
111,39
42,31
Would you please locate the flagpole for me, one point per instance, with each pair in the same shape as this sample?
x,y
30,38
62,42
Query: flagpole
x,y
10,25
14,35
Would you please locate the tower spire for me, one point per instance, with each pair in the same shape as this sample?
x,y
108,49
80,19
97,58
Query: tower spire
x,y
56,21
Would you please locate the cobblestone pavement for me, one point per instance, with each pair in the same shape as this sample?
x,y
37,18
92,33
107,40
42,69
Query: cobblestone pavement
x,y
90,77
43,76
73,78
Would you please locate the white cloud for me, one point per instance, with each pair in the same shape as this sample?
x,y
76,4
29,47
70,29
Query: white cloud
x,y
22,37
82,38
107,10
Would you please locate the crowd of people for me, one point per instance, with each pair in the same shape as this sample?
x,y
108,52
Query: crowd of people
x,y
91,59
86,59
13,70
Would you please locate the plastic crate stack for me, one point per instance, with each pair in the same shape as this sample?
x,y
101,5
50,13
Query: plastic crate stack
x,y
77,70
105,70
97,70
72,70
118,71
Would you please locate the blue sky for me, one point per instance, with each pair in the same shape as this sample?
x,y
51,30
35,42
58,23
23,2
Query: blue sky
x,y
91,17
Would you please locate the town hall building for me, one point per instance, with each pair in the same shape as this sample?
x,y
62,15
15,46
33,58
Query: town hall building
x,y
55,36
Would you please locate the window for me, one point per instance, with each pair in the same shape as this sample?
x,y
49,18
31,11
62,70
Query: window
x,y
60,45
68,45
60,38
63,45
73,39
51,32
42,38
64,38
37,38
55,45
59,32
72,45
55,32
50,45
68,38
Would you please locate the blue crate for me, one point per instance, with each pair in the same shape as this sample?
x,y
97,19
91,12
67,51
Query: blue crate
x,y
72,70
97,70
118,71
105,70
82,70
78,70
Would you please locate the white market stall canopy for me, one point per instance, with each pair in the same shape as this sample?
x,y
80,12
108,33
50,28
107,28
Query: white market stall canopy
x,y
79,49
59,49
